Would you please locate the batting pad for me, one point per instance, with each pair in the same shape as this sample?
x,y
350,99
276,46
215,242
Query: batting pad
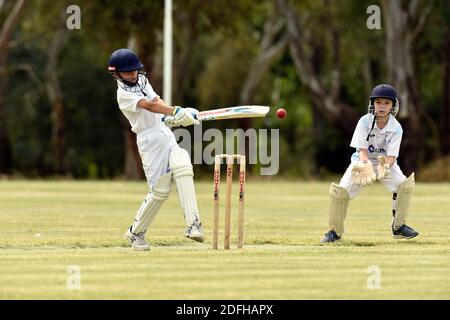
x,y
152,203
403,201
180,164
339,199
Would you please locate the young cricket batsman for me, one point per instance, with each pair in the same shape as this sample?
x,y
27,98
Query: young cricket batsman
x,y
377,139
162,158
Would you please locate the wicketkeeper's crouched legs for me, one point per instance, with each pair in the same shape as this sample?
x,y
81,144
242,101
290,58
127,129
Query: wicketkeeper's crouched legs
x,y
339,200
180,164
401,201
151,204
401,204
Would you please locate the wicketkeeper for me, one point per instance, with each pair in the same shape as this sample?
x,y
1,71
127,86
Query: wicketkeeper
x,y
162,158
377,139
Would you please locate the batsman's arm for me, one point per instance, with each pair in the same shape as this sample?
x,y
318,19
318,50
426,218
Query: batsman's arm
x,y
157,105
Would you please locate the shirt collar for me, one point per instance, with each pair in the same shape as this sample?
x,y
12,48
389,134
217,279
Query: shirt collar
x,y
390,126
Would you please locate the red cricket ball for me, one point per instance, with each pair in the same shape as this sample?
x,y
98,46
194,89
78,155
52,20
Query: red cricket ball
x,y
281,113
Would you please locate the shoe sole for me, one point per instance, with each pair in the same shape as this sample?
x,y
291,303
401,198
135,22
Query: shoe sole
x,y
398,237
141,249
329,241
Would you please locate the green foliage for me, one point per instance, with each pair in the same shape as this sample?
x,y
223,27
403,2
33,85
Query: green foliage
x,y
221,82
215,44
94,132
27,113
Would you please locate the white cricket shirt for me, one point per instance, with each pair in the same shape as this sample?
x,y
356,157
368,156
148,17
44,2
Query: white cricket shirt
x,y
382,142
140,119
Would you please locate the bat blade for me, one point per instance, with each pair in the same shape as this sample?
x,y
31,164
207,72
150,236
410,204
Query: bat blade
x,y
251,111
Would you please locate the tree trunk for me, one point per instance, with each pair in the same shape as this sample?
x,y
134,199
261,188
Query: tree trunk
x,y
56,99
327,101
403,23
133,164
5,144
5,34
367,70
269,50
445,101
183,48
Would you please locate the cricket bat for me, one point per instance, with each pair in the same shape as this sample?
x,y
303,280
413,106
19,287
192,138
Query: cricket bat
x,y
252,111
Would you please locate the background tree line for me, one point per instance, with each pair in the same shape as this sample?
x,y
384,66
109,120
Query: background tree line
x,y
59,116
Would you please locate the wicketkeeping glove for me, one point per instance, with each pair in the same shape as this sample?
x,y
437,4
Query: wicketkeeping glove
x,y
382,168
363,174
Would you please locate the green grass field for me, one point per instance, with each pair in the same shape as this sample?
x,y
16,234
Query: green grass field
x,y
45,227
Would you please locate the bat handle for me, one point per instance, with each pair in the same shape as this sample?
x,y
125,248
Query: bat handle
x,y
193,114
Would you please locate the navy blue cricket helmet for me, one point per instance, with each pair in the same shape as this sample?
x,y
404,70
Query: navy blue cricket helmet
x,y
125,60
384,91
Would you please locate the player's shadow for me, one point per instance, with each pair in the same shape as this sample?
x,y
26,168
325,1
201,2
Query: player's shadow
x,y
389,242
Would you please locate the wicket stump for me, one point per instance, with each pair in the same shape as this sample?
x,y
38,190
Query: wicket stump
x,y
230,164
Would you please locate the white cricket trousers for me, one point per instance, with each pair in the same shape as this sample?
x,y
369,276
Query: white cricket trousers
x,y
155,145
392,181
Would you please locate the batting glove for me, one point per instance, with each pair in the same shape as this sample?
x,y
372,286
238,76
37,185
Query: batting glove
x,y
183,117
170,121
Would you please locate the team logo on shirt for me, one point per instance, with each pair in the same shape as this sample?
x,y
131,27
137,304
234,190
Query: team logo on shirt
x,y
373,149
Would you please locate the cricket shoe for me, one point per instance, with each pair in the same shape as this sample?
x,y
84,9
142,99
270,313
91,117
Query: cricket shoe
x,y
330,236
195,232
404,232
137,241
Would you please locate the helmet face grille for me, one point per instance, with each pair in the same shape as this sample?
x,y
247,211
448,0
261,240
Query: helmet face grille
x,y
394,110
137,87
384,91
